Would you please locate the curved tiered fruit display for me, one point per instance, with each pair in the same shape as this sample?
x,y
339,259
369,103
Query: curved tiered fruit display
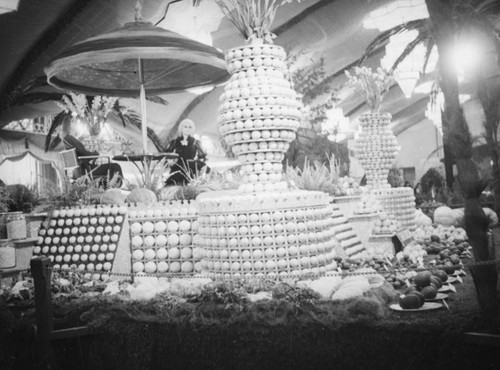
x,y
165,239
376,148
266,234
399,203
259,114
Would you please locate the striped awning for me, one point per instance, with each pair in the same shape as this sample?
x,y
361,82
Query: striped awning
x,y
118,62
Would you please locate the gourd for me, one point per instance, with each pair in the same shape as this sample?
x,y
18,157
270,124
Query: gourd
x,y
113,196
142,195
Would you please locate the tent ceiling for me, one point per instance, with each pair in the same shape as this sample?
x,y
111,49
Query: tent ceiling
x,y
329,29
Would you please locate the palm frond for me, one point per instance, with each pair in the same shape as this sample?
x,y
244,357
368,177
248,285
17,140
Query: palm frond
x,y
420,25
407,51
430,45
157,99
35,98
487,7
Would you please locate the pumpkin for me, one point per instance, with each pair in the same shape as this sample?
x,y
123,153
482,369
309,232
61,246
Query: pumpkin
x,y
142,195
113,196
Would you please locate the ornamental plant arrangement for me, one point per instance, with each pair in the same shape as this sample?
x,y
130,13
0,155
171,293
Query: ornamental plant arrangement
x,y
94,111
252,18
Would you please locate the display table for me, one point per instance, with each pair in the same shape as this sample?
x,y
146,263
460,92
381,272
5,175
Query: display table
x,y
147,163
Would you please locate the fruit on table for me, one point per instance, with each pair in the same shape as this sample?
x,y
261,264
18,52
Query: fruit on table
x,y
429,292
446,216
422,279
113,196
435,238
141,195
436,281
449,268
442,275
411,300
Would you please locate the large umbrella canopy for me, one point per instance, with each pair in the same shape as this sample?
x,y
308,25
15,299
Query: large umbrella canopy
x,y
135,60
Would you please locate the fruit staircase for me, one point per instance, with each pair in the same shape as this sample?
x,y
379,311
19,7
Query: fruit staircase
x,y
349,241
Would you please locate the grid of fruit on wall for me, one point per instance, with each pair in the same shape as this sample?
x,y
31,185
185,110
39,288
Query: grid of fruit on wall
x,y
85,238
165,239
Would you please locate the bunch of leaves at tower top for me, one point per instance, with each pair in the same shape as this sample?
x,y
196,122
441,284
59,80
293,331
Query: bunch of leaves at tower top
x,y
373,86
252,18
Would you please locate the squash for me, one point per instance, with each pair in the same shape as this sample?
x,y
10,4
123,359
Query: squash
x,y
142,195
113,196
492,216
445,216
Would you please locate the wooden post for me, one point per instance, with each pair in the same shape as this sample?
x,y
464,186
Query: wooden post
x,y
41,272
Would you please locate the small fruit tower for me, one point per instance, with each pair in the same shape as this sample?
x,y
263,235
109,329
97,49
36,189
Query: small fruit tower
x,y
377,149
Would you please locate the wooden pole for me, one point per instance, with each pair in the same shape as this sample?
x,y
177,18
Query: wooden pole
x,y
41,272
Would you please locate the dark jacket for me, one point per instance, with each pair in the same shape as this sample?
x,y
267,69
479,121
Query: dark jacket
x,y
187,152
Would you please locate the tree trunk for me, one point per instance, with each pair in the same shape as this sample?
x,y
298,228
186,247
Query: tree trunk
x,y
488,92
457,135
449,161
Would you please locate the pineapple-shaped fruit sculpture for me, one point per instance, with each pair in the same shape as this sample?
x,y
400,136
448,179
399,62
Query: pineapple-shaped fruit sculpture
x,y
376,148
259,113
